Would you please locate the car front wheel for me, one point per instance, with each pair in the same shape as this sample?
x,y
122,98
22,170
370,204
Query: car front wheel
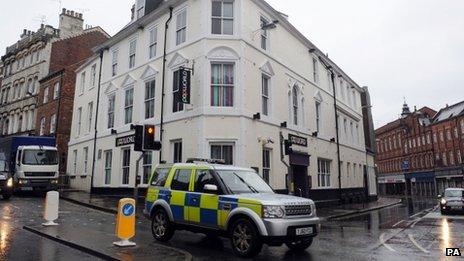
x,y
300,245
244,238
6,196
161,226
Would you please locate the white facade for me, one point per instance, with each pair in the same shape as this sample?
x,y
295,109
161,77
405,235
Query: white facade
x,y
297,90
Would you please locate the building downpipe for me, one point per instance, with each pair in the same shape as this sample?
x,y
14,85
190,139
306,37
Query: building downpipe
x,y
163,94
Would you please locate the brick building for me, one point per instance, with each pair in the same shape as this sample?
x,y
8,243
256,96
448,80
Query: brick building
x,y
448,138
422,152
56,91
405,154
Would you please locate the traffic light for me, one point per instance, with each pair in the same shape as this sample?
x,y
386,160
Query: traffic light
x,y
138,145
288,147
149,137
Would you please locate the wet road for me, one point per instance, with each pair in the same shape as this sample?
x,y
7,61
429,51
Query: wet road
x,y
19,244
396,233
412,231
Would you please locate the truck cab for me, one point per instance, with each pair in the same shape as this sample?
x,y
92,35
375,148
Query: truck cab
x,y
36,168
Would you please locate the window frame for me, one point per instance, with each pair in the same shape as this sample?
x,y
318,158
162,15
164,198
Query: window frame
x,y
128,105
223,18
132,53
264,34
152,42
177,155
108,167
265,98
221,86
86,159
181,29
267,164
110,111
324,171
125,166
53,124
114,62
150,100
222,145
56,90
147,164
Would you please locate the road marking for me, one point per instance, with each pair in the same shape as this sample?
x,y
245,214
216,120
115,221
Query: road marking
x,y
397,223
417,244
383,242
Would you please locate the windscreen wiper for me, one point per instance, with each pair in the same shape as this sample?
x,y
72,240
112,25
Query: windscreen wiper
x,y
248,185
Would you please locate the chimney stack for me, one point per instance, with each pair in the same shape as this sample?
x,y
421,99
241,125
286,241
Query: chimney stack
x,y
71,23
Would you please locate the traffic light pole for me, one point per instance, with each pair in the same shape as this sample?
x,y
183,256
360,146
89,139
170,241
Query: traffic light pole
x,y
137,180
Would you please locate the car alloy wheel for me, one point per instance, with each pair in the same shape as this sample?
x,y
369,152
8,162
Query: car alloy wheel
x,y
161,227
242,238
159,224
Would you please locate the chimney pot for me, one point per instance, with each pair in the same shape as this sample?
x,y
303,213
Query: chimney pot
x,y
72,13
63,11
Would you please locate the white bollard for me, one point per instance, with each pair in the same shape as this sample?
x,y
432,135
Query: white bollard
x,y
51,208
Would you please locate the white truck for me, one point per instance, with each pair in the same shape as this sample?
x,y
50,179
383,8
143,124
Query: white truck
x,y
32,162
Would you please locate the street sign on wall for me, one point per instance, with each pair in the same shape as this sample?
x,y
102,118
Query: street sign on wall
x,y
126,140
297,140
405,165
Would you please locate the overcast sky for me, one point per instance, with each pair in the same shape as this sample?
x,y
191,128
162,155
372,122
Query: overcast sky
x,y
399,48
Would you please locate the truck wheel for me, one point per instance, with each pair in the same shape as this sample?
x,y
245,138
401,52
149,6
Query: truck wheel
x,y
161,227
300,245
6,196
244,238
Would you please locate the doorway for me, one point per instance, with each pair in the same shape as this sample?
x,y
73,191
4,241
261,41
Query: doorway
x,y
300,180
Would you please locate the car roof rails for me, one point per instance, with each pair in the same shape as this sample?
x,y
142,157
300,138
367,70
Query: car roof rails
x,y
210,161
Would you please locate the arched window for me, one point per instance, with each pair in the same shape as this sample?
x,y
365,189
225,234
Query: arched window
x,y
295,104
29,87
20,123
6,127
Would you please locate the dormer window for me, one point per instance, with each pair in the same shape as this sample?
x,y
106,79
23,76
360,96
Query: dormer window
x,y
140,8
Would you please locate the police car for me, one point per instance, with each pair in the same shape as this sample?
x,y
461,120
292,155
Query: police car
x,y
216,199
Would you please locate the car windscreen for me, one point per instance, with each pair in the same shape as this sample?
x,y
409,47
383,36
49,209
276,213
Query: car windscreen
x,y
40,157
454,193
242,181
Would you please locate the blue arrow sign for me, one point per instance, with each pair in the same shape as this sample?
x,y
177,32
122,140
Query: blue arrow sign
x,y
128,210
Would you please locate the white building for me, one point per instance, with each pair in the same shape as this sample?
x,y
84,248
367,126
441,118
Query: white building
x,y
245,58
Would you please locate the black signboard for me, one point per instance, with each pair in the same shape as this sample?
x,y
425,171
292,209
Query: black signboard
x,y
297,140
126,140
184,85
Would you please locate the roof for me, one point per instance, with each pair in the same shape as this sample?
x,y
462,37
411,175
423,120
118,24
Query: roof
x,y
449,112
397,123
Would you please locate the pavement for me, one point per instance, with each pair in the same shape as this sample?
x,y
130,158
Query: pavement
x,y
109,204
412,230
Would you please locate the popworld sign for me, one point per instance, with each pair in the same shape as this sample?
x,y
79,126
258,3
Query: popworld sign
x,y
184,82
126,140
297,140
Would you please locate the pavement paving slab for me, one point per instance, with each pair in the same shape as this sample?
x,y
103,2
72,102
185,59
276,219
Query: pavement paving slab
x,y
93,232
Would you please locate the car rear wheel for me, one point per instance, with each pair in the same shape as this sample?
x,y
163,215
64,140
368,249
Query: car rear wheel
x,y
300,245
443,211
161,227
244,238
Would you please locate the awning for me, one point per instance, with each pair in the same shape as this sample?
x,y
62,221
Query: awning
x,y
300,159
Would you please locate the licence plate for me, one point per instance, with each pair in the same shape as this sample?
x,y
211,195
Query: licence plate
x,y
304,231
26,189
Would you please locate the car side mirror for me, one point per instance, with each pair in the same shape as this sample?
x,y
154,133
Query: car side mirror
x,y
208,188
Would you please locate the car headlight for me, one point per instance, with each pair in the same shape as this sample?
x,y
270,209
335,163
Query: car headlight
x,y
9,183
313,209
273,212
23,181
443,201
54,181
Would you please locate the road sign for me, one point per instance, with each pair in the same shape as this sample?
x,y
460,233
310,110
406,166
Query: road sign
x,y
125,223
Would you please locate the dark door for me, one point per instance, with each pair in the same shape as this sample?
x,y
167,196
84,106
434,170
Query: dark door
x,y
300,180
